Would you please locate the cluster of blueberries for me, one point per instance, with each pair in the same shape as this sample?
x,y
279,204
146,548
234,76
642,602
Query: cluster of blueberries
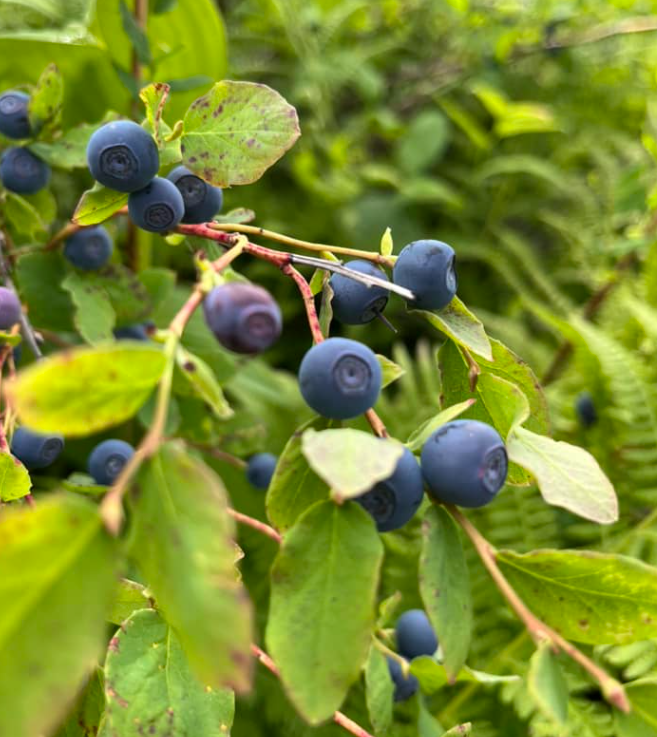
x,y
415,637
124,157
463,462
21,171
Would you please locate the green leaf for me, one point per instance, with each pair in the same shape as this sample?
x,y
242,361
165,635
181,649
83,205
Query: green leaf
x,y
322,608
151,688
129,596
386,246
46,99
598,598
94,317
69,151
98,204
58,568
159,283
88,712
433,676
547,685
183,542
84,390
197,379
294,486
326,308
567,476
82,483
235,132
642,721
350,461
379,691
136,34
39,276
423,142
418,437
459,324
23,217
154,97
445,588
15,481
237,215
390,370
427,724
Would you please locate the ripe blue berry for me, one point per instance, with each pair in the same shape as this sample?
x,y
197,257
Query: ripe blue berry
x,y
354,303
10,308
260,469
122,156
107,460
158,207
585,410
427,268
35,450
202,200
89,248
340,378
139,331
395,500
22,172
14,121
415,635
404,687
464,462
244,317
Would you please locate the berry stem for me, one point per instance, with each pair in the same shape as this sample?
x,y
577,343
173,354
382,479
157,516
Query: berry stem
x,y
308,301
611,689
338,717
304,245
256,524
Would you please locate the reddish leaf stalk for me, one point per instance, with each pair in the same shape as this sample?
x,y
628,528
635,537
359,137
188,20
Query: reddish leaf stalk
x,y
256,524
338,717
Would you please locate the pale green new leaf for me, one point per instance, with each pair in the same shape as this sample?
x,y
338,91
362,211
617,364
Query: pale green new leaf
x,y
458,323
15,481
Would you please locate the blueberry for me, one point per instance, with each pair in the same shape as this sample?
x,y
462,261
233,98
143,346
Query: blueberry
x,y
244,318
138,331
415,635
158,207
260,469
427,268
89,248
14,121
10,308
107,460
404,687
35,450
22,172
202,200
355,303
585,410
464,462
395,500
123,156
340,378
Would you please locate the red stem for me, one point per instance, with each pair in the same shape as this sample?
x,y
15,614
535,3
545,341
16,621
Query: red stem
x,y
255,524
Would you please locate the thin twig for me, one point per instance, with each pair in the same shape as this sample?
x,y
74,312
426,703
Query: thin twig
x,y
308,301
256,524
611,689
304,245
338,717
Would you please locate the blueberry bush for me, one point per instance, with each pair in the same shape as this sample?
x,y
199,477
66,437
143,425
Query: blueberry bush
x,y
232,500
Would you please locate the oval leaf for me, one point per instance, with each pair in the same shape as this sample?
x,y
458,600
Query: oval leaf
x,y
547,685
597,598
58,574
98,204
445,588
567,476
350,461
418,437
183,542
294,486
322,608
235,132
379,691
15,481
83,390
151,689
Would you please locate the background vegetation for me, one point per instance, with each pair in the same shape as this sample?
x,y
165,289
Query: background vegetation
x,y
522,133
